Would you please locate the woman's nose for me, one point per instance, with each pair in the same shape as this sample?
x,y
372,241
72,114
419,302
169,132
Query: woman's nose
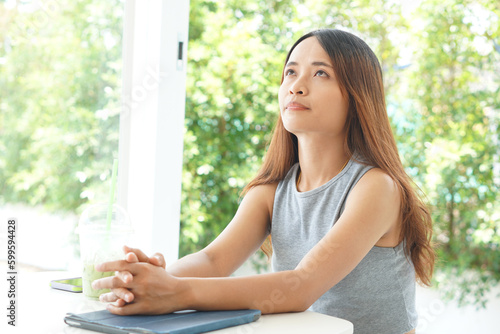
x,y
298,88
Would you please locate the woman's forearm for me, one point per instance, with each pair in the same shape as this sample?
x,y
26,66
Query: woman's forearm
x,y
198,264
285,291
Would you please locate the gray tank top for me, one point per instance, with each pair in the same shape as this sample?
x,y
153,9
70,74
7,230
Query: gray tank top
x,y
378,296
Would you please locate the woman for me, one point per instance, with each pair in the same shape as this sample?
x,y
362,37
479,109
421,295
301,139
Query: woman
x,y
349,234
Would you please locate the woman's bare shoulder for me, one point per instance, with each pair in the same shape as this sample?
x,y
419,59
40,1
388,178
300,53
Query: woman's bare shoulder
x,y
377,181
262,194
376,190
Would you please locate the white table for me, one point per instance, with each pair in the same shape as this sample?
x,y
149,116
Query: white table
x,y
41,309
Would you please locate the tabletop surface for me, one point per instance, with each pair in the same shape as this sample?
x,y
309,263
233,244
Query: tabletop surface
x,y
41,309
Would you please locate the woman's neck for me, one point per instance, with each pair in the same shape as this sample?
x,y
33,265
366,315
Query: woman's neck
x,y
320,160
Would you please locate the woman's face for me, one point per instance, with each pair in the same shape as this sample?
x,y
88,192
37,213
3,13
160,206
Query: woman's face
x,y
310,98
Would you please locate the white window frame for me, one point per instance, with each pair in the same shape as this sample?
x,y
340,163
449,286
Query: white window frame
x,y
152,121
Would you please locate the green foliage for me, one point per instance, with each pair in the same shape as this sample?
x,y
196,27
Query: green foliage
x,y
59,78
60,88
455,84
230,110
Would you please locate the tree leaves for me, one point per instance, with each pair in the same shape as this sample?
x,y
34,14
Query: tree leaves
x,y
57,122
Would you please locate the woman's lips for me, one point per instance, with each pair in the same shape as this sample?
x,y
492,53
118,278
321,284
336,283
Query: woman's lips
x,y
296,106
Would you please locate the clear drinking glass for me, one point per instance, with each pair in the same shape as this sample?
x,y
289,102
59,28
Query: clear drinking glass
x,y
101,241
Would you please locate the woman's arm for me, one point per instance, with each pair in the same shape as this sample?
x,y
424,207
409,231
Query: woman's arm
x,y
239,240
372,210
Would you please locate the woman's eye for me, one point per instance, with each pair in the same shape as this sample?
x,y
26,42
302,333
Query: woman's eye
x,y
321,73
289,72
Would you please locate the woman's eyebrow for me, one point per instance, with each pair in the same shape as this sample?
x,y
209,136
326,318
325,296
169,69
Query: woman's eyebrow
x,y
314,63
320,63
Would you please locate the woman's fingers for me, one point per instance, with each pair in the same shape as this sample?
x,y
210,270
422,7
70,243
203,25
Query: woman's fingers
x,y
123,294
131,257
112,282
109,297
140,254
136,255
151,291
158,260
120,303
120,296
125,276
120,265
112,298
127,309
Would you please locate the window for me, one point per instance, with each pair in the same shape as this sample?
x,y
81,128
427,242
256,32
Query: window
x,y
66,104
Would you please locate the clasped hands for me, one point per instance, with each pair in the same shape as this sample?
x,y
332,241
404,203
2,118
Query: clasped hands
x,y
140,286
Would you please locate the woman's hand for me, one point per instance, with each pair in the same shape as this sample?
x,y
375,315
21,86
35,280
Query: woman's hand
x,y
136,255
154,291
122,296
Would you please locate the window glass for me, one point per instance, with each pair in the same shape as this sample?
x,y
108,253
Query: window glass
x,y
60,88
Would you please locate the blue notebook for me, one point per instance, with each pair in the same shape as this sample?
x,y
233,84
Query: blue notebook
x,y
184,322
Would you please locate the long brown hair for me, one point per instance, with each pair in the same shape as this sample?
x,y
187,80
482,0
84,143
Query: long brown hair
x,y
369,135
